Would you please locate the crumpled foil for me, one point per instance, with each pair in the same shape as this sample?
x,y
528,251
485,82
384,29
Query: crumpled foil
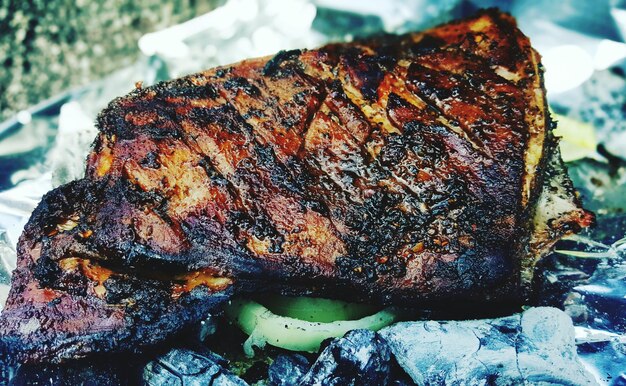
x,y
583,48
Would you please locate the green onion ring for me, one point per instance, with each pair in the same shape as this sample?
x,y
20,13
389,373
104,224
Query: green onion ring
x,y
263,326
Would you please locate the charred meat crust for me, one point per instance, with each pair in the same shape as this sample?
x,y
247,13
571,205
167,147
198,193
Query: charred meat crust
x,y
393,170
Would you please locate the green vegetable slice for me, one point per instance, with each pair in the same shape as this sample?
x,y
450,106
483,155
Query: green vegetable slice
x,y
578,139
263,326
317,309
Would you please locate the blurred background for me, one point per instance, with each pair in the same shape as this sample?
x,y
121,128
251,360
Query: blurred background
x,y
63,61
47,47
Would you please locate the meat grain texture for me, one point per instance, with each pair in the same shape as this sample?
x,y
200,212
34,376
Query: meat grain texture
x,y
394,170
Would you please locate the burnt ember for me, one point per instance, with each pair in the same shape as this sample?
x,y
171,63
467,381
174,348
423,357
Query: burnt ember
x,y
287,370
535,347
186,367
361,357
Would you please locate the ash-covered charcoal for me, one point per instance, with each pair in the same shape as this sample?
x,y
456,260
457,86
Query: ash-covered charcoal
x,y
286,370
256,373
557,275
601,302
118,371
535,347
186,367
361,357
605,352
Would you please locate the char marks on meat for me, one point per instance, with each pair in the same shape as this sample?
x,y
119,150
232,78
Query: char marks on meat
x,y
396,170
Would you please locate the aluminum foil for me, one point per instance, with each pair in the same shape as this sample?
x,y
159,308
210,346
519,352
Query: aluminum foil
x,y
584,52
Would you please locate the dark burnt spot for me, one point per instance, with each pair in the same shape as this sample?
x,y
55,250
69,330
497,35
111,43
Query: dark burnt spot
x,y
256,113
290,121
318,206
355,269
151,160
111,122
297,179
72,281
139,197
159,132
385,62
265,156
453,194
222,72
335,89
238,219
367,71
154,295
225,116
399,111
259,223
301,97
263,229
432,84
186,89
276,65
393,151
119,290
394,101
280,175
427,44
215,176
243,84
166,125
426,141
380,229
46,271
510,52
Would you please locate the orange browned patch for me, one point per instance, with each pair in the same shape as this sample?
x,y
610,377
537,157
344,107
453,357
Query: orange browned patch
x,y
258,246
86,234
206,277
180,178
417,248
95,273
105,160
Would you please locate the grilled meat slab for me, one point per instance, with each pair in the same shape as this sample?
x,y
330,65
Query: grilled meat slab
x,y
395,170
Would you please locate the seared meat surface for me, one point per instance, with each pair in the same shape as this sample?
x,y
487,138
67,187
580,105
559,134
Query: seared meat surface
x,y
396,170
